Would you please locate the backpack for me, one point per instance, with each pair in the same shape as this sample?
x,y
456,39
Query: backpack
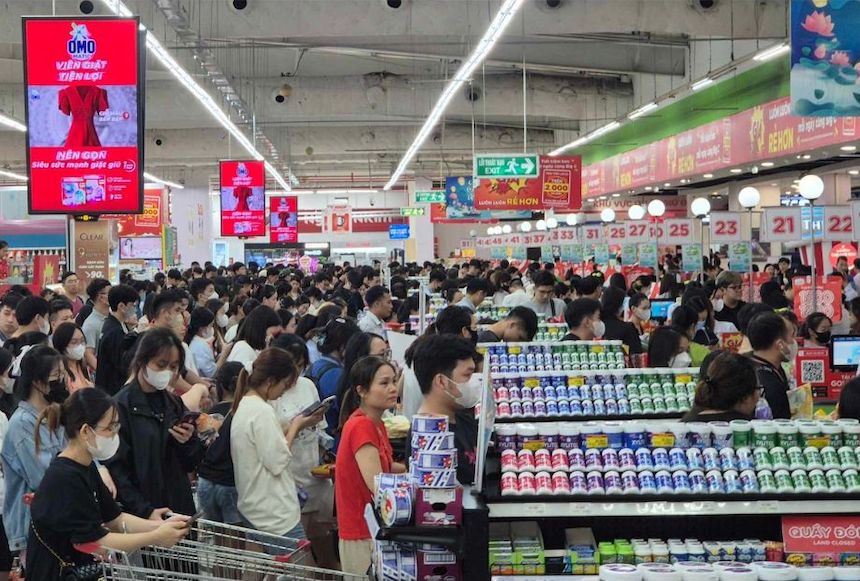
x,y
317,377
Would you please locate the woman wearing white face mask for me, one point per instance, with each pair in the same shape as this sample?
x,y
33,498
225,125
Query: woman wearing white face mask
x,y
73,513
262,449
200,338
69,340
640,315
159,447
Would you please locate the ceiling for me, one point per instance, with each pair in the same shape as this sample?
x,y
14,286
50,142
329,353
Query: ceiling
x,y
359,77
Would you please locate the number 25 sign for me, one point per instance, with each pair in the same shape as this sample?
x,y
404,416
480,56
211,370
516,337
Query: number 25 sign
x,y
780,224
726,227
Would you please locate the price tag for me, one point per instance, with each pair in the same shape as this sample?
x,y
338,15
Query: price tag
x,y
514,350
780,224
592,233
683,378
663,440
726,227
838,224
597,441
616,233
532,382
767,506
678,231
576,381
535,508
637,231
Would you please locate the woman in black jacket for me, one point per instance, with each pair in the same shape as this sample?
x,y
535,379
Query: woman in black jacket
x,y
157,448
611,308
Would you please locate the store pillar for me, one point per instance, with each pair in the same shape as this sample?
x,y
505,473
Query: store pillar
x,y
419,247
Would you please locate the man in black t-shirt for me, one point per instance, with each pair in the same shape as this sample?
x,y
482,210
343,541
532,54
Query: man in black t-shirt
x,y
773,343
726,308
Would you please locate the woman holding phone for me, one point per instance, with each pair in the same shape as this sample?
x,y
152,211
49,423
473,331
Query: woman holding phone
x,y
158,445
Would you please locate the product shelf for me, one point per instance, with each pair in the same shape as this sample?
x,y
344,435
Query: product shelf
x,y
570,506
590,418
545,578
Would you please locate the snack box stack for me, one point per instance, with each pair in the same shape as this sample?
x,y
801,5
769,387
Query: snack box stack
x,y
516,548
438,496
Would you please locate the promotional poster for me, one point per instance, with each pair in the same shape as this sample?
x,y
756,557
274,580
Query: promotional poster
x,y
284,219
84,87
243,198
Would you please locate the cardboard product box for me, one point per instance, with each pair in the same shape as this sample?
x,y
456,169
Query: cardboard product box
x,y
439,566
527,540
583,551
439,507
501,549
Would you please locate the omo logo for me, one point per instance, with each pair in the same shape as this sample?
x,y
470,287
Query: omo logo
x,y
81,46
241,170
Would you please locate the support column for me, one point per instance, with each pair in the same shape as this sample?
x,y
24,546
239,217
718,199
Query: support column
x,y
419,247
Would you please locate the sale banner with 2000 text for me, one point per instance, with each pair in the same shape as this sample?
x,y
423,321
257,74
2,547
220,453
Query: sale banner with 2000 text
x,y
84,114
559,186
243,198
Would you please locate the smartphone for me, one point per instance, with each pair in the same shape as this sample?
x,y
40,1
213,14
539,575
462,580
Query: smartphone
x,y
190,418
197,516
326,403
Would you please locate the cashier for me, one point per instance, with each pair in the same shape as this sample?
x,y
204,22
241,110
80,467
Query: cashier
x,y
445,368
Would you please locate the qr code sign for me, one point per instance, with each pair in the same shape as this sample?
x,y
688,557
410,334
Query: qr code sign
x,y
812,371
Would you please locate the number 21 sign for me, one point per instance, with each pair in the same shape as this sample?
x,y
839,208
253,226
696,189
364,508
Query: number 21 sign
x,y
780,224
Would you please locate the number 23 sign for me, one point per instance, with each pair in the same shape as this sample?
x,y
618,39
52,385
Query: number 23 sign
x,y
726,227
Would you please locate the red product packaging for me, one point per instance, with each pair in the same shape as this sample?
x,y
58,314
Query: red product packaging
x,y
434,565
439,506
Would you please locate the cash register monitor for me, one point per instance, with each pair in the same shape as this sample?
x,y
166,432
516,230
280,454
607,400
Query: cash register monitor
x,y
845,352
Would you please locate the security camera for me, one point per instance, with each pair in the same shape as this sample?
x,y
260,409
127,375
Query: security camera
x,y
283,93
473,94
553,3
394,3
159,141
86,7
704,4
240,4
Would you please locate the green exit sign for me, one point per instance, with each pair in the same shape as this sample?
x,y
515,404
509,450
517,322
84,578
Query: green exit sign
x,y
411,211
434,197
507,166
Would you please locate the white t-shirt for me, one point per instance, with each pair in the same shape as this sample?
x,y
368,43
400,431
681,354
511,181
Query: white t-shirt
x,y
412,398
261,464
306,446
244,354
190,364
516,299
231,333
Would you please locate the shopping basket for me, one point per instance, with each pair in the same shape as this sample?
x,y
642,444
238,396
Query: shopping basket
x,y
215,551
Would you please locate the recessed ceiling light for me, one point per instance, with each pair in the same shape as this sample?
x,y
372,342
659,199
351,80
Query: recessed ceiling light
x,y
767,164
806,156
647,188
848,148
853,172
616,195
667,184
736,170
603,197
708,176
773,185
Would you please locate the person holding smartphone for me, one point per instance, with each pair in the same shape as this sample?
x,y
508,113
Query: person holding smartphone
x,y
158,444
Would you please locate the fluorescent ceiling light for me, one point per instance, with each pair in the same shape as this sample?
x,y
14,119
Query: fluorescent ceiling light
x,y
848,148
13,123
347,191
853,172
736,170
13,175
593,135
642,110
771,52
701,84
502,19
158,180
767,164
367,249
155,47
708,176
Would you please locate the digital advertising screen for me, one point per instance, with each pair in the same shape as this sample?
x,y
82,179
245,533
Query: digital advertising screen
x,y
83,79
140,248
284,219
243,198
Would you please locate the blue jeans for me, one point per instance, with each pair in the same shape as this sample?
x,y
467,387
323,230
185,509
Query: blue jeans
x,y
219,502
278,545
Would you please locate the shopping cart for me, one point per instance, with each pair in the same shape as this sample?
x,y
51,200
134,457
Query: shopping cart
x,y
214,551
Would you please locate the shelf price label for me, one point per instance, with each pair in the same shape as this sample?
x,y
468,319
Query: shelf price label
x,y
780,224
838,223
679,231
726,227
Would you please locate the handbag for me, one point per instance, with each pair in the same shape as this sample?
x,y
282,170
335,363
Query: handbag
x,y
70,571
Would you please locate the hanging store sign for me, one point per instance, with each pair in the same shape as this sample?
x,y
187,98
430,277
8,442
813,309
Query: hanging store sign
x,y
726,227
91,252
338,220
284,219
434,197
148,222
781,224
838,223
821,534
411,211
398,232
558,185
501,166
243,198
84,112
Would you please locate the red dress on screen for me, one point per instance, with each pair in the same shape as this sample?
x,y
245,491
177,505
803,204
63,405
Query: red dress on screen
x,y
242,193
83,102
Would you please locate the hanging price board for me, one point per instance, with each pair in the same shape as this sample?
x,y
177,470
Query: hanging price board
x,y
566,235
616,233
855,219
592,233
780,224
678,231
838,223
726,227
637,231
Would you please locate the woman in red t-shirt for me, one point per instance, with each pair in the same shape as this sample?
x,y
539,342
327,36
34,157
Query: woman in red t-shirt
x,y
363,453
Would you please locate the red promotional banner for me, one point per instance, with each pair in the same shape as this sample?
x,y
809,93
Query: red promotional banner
x,y
146,224
46,270
828,296
821,534
243,198
284,219
558,186
338,220
363,221
84,111
763,132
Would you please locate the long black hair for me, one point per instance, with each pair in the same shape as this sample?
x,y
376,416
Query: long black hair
x,y
151,344
357,348
200,318
84,407
61,338
253,329
360,379
663,345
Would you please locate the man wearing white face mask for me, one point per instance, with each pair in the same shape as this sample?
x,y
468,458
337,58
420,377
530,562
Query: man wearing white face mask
x,y
773,343
445,368
110,374
583,319
32,316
